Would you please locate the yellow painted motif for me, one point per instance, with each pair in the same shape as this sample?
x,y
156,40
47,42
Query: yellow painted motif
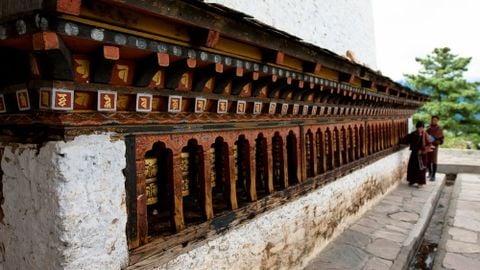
x,y
184,81
80,99
108,102
45,98
23,100
157,78
34,66
62,99
123,72
83,68
144,102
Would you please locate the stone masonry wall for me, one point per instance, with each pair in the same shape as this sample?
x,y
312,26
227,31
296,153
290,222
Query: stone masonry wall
x,y
64,205
337,25
287,237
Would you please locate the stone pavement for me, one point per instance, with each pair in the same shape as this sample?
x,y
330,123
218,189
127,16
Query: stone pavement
x,y
460,245
386,236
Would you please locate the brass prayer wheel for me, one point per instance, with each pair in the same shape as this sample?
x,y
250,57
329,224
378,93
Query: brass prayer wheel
x,y
184,160
151,188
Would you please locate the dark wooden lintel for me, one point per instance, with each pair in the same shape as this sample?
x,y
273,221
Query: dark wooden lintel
x,y
175,72
103,62
55,58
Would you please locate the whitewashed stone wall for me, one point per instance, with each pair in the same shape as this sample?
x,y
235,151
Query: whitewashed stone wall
x,y
289,236
64,205
337,25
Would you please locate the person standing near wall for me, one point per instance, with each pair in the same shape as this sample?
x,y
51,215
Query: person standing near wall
x,y
420,147
435,133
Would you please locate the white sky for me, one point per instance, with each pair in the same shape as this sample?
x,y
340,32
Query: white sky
x,y
405,29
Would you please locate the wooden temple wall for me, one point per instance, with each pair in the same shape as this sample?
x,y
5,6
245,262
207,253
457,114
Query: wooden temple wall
x,y
222,118
184,179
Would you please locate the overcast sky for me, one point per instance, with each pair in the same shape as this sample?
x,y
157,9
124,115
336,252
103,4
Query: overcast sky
x,y
405,29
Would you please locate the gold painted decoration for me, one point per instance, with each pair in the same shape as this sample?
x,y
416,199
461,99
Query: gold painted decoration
x,y
184,160
185,81
200,105
23,100
213,171
158,80
151,168
241,106
174,104
107,100
257,107
235,156
272,107
34,68
296,107
222,106
284,109
122,73
150,173
305,110
83,100
151,191
62,99
81,67
144,102
44,98
246,90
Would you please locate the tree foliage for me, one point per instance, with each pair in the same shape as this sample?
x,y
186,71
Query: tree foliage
x,y
455,100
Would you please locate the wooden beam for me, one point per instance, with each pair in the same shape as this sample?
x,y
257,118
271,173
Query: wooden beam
x,y
345,77
202,75
277,87
310,67
103,63
55,58
222,80
71,7
175,72
147,68
276,57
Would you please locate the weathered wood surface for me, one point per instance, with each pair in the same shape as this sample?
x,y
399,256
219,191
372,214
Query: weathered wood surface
x,y
164,249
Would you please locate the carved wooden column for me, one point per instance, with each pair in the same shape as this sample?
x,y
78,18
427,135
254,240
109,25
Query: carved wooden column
x,y
302,161
328,150
269,166
231,177
251,177
313,154
320,146
142,217
292,158
336,148
206,171
278,161
350,145
175,187
371,139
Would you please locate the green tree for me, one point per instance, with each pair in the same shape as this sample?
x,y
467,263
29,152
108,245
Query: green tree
x,y
455,100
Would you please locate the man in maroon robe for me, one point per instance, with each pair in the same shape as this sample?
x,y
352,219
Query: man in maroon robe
x,y
436,138
420,147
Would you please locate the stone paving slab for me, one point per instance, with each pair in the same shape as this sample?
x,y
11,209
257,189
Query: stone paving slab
x,y
460,245
386,236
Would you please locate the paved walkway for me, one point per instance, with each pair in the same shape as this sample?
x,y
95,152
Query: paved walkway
x,y
387,235
460,245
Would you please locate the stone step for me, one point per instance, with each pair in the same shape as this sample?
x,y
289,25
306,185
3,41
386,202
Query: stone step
x,y
386,236
459,246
